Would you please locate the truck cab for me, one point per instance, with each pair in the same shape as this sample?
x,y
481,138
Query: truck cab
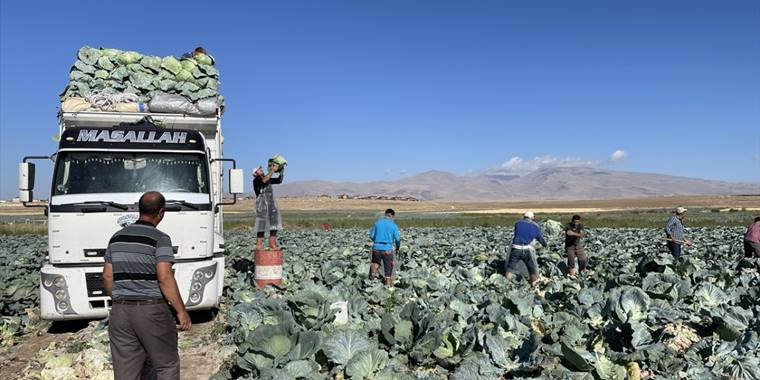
x,y
104,163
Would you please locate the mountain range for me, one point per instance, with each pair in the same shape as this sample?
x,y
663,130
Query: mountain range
x,y
545,184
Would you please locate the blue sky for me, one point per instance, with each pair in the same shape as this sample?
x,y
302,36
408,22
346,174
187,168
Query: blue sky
x,y
367,90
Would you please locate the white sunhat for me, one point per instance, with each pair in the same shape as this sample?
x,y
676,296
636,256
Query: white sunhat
x,y
529,214
681,210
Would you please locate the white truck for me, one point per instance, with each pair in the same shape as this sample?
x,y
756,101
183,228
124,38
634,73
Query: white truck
x,y
104,163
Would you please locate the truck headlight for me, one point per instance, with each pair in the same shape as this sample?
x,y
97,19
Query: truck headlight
x,y
58,288
201,277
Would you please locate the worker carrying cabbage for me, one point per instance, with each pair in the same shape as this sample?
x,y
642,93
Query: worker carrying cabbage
x,y
574,235
384,235
526,233
267,214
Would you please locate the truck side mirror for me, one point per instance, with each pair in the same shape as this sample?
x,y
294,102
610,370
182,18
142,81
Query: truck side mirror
x,y
25,181
236,181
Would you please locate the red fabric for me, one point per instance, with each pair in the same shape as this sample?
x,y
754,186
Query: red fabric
x,y
753,233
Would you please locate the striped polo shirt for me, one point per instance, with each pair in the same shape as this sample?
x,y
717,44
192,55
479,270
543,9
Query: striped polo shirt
x,y
134,252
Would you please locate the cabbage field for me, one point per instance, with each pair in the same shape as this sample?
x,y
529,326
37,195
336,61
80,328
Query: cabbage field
x,y
453,315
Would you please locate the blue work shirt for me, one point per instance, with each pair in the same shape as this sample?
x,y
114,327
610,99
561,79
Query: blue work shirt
x,y
525,231
384,234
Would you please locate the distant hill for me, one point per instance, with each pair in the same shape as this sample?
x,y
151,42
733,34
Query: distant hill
x,y
545,184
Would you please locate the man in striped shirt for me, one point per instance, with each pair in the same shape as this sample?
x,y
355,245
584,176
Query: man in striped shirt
x,y
674,232
138,276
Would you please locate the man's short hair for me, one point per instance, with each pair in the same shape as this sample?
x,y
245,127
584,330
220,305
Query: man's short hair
x,y
757,219
151,203
390,212
576,217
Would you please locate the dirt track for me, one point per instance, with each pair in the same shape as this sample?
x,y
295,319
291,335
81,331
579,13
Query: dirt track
x,y
200,353
713,202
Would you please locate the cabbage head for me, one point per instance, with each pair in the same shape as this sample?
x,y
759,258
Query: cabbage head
x,y
171,64
129,57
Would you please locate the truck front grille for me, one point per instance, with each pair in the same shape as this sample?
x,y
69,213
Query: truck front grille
x,y
95,286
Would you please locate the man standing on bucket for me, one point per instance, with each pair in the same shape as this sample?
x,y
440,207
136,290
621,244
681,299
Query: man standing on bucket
x,y
384,235
526,231
674,232
267,214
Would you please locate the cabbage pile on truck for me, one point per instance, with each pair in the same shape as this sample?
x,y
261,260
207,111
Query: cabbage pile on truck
x,y
112,80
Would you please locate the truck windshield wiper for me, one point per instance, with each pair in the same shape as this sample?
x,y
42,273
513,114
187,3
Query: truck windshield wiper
x,y
184,203
105,203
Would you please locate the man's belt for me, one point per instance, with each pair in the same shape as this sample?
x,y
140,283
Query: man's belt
x,y
156,301
522,247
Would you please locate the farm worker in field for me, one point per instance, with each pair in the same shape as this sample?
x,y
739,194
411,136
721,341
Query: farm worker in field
x,y
385,236
267,213
675,234
526,232
574,235
138,276
752,239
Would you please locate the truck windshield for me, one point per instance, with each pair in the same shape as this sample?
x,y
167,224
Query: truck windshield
x,y
122,172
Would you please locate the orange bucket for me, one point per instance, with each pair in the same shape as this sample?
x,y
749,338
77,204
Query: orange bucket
x,y
268,267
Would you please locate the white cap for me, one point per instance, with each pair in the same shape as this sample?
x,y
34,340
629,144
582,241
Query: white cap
x,y
529,214
681,210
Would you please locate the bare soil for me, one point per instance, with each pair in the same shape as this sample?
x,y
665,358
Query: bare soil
x,y
748,202
199,351
14,364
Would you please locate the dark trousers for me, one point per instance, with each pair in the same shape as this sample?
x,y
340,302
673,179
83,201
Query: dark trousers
x,y
573,251
751,249
675,249
386,258
526,256
139,330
